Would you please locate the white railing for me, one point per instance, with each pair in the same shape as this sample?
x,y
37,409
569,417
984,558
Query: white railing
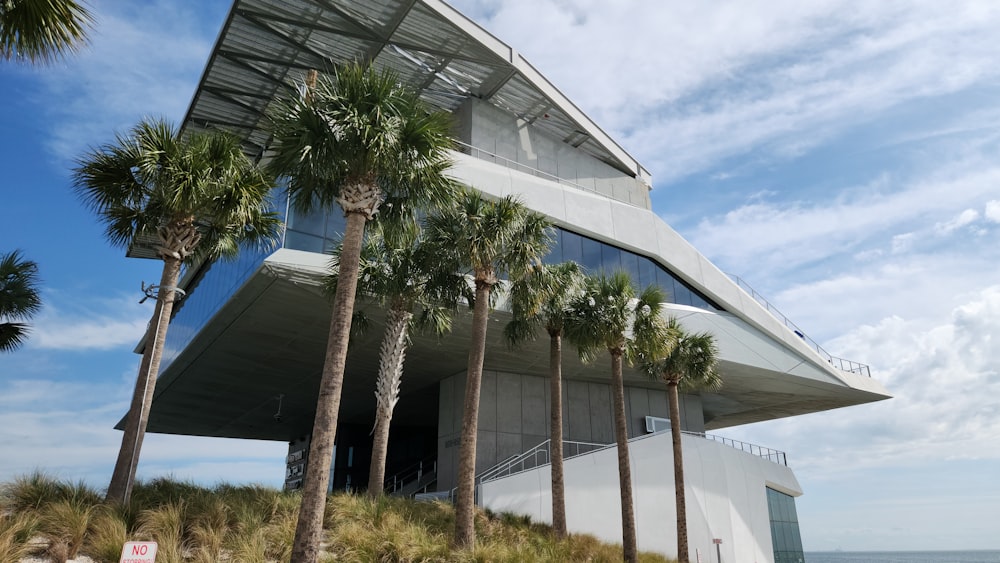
x,y
839,363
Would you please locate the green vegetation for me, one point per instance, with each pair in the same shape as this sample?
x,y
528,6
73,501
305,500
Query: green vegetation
x,y
44,517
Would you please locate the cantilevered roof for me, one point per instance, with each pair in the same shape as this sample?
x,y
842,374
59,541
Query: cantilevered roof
x,y
267,46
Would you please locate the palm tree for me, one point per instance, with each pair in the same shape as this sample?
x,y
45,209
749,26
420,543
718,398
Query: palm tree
x,y
492,239
19,299
419,291
691,365
352,140
542,299
198,196
609,315
42,31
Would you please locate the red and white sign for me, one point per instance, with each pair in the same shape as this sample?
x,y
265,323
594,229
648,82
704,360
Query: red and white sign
x,y
138,552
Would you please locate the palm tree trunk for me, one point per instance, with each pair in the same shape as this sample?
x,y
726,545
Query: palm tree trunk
x,y
555,431
630,550
390,372
675,438
465,530
123,477
309,529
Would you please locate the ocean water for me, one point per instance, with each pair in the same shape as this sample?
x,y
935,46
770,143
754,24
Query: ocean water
x,y
903,557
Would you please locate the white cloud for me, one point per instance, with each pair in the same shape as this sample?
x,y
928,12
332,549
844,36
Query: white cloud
x,y
963,219
686,85
64,325
66,428
143,60
992,212
782,236
944,378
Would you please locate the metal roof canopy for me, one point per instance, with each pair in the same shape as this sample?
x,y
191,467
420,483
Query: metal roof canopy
x,y
266,47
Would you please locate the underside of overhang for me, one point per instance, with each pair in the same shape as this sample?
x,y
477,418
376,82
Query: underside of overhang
x,y
267,46
262,354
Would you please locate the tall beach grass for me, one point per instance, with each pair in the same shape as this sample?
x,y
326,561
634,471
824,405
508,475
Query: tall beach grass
x,y
44,517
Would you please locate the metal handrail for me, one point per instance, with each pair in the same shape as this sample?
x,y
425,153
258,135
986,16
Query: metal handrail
x,y
777,456
839,363
517,464
410,474
488,156
537,456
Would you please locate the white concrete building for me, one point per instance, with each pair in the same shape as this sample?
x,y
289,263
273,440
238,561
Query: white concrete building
x,y
253,331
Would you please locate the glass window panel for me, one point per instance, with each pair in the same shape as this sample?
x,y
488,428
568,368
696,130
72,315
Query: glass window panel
x,y
611,259
335,224
312,222
590,255
302,241
666,283
683,294
647,271
630,265
572,247
555,253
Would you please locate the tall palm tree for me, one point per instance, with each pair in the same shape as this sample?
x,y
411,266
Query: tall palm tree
x,y
609,315
19,299
690,365
492,239
353,140
198,196
42,31
419,291
542,299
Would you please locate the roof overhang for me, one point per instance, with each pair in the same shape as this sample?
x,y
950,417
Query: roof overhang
x,y
268,341
266,47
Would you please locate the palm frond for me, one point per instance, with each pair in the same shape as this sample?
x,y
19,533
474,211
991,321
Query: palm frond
x,y
42,31
152,176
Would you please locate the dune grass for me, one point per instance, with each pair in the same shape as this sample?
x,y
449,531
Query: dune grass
x,y
45,517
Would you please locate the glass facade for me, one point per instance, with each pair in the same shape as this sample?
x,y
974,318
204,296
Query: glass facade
x,y
784,528
319,231
207,293
596,257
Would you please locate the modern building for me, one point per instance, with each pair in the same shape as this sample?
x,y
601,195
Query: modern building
x,y
245,349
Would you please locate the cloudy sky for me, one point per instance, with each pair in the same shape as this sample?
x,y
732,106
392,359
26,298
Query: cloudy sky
x,y
843,157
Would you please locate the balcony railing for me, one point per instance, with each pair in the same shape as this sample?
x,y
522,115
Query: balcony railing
x,y
483,154
769,454
839,363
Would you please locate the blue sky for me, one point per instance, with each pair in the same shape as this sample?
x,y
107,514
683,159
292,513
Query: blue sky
x,y
840,156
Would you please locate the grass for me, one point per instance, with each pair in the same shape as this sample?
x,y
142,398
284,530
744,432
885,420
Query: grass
x,y
250,524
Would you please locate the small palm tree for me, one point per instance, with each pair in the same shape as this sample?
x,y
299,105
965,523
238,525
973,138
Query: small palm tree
x,y
419,291
352,140
40,31
491,239
19,299
198,196
609,315
690,365
542,299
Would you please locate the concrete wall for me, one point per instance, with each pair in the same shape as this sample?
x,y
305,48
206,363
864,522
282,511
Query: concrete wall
x,y
726,497
514,416
489,128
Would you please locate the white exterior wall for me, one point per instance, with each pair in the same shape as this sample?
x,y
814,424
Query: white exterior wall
x,y
726,497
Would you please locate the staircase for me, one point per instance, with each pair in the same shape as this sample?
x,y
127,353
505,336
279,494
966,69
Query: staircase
x,y
415,479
